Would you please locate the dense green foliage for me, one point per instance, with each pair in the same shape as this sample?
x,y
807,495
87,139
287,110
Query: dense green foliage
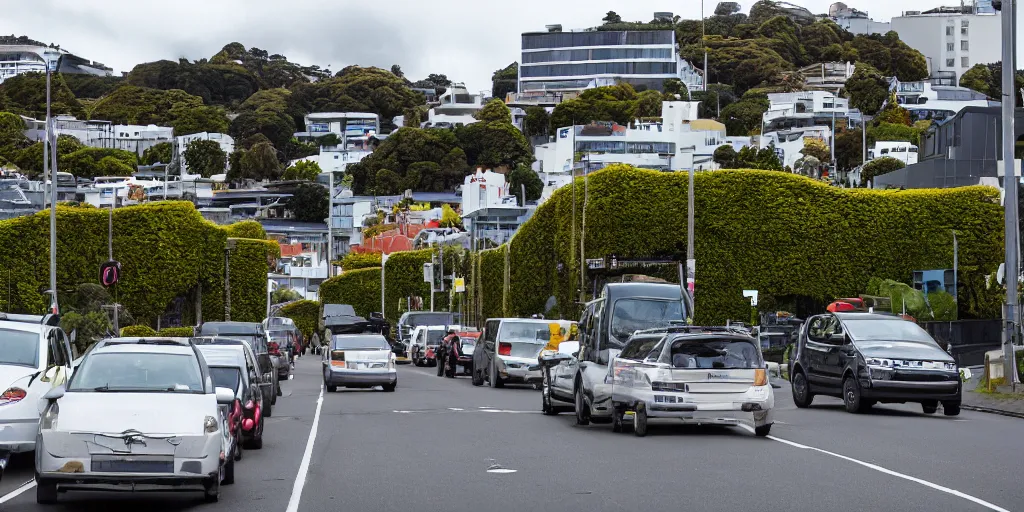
x,y
138,331
406,156
158,265
988,79
160,153
537,122
91,86
217,84
358,288
246,229
748,157
880,166
521,176
867,89
504,81
25,94
94,162
302,170
205,157
305,314
355,261
309,202
358,89
619,103
177,332
138,105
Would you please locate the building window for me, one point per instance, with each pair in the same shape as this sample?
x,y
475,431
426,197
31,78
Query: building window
x,y
949,47
964,23
963,45
963,31
949,31
950,63
965,62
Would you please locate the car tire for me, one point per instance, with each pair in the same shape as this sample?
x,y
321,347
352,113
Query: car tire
x,y
763,430
494,380
930,407
269,410
640,420
617,417
331,388
852,397
582,411
46,492
477,378
802,396
229,472
951,408
277,393
390,388
212,493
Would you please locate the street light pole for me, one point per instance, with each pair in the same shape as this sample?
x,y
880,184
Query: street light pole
x,y
52,146
702,34
690,260
1010,184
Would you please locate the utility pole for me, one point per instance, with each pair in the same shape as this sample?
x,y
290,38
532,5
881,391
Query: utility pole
x,y
52,146
690,260
330,228
702,34
1010,184
110,257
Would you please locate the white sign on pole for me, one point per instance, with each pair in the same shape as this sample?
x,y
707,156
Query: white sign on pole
x,y
428,272
752,294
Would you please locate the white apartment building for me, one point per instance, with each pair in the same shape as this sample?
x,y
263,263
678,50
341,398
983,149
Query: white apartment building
x,y
353,127
102,134
901,150
793,117
225,141
16,59
565,61
855,21
952,39
346,220
937,102
457,107
486,189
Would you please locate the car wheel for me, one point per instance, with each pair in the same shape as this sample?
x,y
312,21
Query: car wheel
x,y
390,388
851,397
267,407
46,492
617,416
951,408
930,407
640,420
331,388
582,411
495,380
212,493
229,473
802,395
763,430
477,378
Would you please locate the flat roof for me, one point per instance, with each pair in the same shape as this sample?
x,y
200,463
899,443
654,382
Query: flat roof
x,y
342,115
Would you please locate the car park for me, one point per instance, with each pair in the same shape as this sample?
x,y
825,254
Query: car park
x,y
263,380
232,367
139,414
699,375
35,357
359,361
605,326
869,358
256,337
508,350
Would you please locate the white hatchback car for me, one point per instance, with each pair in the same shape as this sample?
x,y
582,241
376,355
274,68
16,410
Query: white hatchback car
x,y
700,375
137,415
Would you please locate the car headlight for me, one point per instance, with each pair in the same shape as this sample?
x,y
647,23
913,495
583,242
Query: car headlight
x,y
210,424
875,361
950,366
48,421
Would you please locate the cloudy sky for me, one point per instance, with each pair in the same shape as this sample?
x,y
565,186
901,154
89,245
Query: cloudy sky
x,y
463,39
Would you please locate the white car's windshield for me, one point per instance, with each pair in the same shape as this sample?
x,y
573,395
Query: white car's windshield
x,y
631,315
887,330
713,353
140,372
19,348
533,332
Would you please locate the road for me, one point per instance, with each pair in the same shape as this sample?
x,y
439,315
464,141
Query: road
x,y
429,446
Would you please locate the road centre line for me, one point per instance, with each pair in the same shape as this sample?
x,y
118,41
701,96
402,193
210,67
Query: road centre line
x,y
300,478
15,493
890,472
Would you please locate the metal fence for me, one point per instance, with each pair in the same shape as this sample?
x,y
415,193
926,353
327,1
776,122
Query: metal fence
x,y
969,339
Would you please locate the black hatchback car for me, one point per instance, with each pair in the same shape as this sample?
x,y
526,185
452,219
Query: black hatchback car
x,y
867,358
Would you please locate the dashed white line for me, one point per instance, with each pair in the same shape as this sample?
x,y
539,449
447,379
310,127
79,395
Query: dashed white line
x,y
300,478
15,493
890,472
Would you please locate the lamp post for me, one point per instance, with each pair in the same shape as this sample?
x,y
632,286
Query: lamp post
x,y
383,264
50,144
1010,183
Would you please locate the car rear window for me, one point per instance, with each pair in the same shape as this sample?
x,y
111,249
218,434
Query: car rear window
x,y
714,353
226,377
638,348
19,348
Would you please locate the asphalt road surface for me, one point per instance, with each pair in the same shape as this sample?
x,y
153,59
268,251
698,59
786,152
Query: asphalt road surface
x,y
442,444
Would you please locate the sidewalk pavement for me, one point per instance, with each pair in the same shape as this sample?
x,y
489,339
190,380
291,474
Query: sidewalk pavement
x,y
1001,401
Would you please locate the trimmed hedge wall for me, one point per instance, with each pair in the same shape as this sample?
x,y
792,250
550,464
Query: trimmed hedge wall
x,y
177,332
356,261
781,234
247,229
492,283
358,288
305,314
137,331
166,250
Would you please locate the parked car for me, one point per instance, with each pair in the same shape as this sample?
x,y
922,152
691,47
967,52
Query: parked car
x,y
253,334
359,361
226,368
281,344
424,340
262,380
232,366
35,357
604,328
867,358
555,365
139,414
410,320
508,351
700,375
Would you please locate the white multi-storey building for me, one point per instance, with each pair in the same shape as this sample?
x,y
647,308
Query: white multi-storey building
x,y
346,219
793,117
567,61
457,107
952,39
356,131
937,102
855,21
17,58
102,134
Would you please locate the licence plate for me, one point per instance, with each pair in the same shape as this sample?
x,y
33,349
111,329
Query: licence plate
x,y
132,466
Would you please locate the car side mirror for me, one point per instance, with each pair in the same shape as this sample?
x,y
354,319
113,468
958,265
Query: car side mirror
x,y
49,374
837,338
54,394
225,396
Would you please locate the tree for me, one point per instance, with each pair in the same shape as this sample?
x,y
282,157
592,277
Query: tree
x,y
226,83
357,89
880,166
309,202
675,90
25,94
95,162
612,17
648,104
524,175
205,158
259,163
750,157
388,183
449,217
331,139
894,113
808,166
397,71
978,78
818,149
505,80
302,170
160,153
403,148
894,132
285,294
91,86
866,89
138,105
494,110
741,63
744,117
494,144
725,156
849,149
537,122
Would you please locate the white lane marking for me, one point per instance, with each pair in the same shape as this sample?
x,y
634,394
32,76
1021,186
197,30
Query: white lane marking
x,y
887,471
455,409
502,471
14,494
300,478
485,407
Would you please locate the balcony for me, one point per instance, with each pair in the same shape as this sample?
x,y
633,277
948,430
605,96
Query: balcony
x,y
319,272
342,223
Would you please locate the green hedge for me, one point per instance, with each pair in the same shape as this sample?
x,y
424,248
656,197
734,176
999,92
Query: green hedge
x,y
492,283
305,314
778,233
177,332
137,331
358,288
166,249
247,229
356,261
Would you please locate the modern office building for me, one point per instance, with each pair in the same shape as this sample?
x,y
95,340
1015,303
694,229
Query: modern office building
x,y
953,39
855,21
22,55
567,61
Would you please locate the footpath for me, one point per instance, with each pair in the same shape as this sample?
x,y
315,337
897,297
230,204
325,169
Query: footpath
x,y
1001,400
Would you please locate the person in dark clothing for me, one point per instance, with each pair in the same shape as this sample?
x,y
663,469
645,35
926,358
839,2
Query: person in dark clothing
x,y
441,353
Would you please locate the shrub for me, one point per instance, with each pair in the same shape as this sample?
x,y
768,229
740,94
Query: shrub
x,y
305,314
137,331
359,288
356,261
177,332
880,166
246,229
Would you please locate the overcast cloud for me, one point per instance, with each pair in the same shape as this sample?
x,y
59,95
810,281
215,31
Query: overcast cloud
x,y
463,39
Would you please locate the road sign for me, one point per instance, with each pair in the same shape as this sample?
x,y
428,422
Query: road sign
x,y
110,273
595,263
460,284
